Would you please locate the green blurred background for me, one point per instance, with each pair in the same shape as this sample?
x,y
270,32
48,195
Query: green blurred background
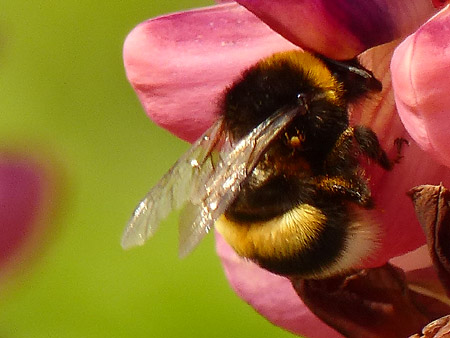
x,y
63,86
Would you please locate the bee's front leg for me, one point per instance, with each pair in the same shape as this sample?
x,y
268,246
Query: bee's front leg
x,y
370,146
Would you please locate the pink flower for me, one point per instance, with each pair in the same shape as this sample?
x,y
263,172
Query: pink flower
x,y
179,65
420,65
28,195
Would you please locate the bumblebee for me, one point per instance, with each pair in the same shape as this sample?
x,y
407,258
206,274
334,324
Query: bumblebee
x,y
278,174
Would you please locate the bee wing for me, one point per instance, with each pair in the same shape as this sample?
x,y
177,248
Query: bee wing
x,y
172,190
213,196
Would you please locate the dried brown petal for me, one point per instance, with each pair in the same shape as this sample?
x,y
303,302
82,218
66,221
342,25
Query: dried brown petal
x,y
440,328
433,212
370,303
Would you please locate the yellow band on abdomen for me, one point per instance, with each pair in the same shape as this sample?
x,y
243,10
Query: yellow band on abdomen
x,y
278,238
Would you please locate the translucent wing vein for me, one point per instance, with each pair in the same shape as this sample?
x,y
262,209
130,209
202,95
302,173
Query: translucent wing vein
x,y
203,183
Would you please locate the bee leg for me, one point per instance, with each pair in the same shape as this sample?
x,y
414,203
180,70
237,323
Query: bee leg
x,y
356,191
370,146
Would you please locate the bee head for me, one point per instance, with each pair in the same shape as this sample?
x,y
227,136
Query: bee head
x,y
286,81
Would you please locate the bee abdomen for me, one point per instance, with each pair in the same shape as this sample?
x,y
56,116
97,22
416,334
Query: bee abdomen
x,y
307,241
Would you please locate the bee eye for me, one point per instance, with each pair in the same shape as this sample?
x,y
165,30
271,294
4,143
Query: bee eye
x,y
302,98
302,101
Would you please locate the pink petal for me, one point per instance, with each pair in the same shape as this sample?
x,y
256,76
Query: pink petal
x,y
344,28
180,64
271,295
27,198
421,68
395,213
